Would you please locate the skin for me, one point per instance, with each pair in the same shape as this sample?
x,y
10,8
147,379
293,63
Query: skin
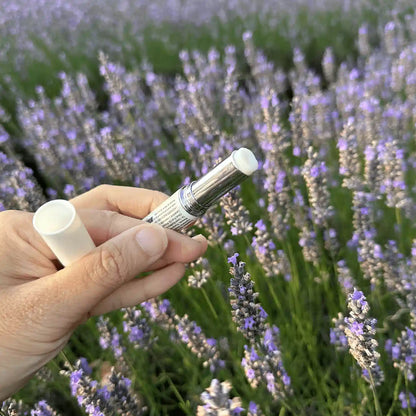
x,y
42,303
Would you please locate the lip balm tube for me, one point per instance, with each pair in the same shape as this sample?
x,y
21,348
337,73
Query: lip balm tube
x,y
191,201
63,231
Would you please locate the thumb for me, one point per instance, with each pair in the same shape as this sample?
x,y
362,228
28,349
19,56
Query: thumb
x,y
80,286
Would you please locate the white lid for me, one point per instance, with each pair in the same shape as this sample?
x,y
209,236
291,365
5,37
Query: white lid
x,y
63,231
245,161
54,217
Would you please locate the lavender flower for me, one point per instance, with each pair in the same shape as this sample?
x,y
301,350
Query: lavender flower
x,y
42,408
298,128
273,261
370,254
92,398
391,38
217,402
237,216
328,65
314,173
403,353
44,374
109,337
299,61
345,278
396,271
264,248
363,41
392,165
200,273
254,410
360,331
308,241
113,397
213,222
161,312
263,365
249,316
233,101
261,68
331,241
136,325
55,131
187,331
204,348
349,158
407,400
274,141
337,335
12,407
18,187
122,399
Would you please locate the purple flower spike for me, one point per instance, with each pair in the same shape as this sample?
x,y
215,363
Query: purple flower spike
x,y
247,313
360,330
216,400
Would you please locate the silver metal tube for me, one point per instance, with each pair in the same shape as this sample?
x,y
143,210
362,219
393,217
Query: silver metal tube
x,y
216,183
191,201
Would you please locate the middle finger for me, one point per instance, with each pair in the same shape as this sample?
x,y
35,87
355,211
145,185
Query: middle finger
x,y
103,225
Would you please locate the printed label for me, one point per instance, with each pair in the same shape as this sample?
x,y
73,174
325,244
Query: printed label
x,y
170,214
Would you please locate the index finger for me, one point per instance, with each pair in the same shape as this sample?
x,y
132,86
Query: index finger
x,y
127,200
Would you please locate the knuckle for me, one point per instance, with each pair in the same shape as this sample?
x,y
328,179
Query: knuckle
x,y
104,188
157,199
16,225
111,266
8,217
145,294
161,195
112,217
115,302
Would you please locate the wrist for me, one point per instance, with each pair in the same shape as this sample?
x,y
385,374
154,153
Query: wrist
x,y
16,371
7,390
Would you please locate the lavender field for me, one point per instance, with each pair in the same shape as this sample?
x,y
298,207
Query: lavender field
x,y
305,302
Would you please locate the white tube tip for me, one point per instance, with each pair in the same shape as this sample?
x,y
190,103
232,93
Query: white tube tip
x,y
54,217
245,161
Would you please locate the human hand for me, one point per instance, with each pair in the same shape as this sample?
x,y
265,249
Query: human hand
x,y
40,306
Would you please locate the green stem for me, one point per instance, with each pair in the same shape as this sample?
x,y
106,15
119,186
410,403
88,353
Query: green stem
x,y
247,240
395,395
400,224
398,218
282,411
273,293
287,247
406,382
290,408
66,360
373,388
211,306
178,395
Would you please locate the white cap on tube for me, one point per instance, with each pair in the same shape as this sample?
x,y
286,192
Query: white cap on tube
x,y
63,231
245,161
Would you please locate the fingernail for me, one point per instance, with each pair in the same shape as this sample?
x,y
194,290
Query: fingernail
x,y
200,238
152,239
